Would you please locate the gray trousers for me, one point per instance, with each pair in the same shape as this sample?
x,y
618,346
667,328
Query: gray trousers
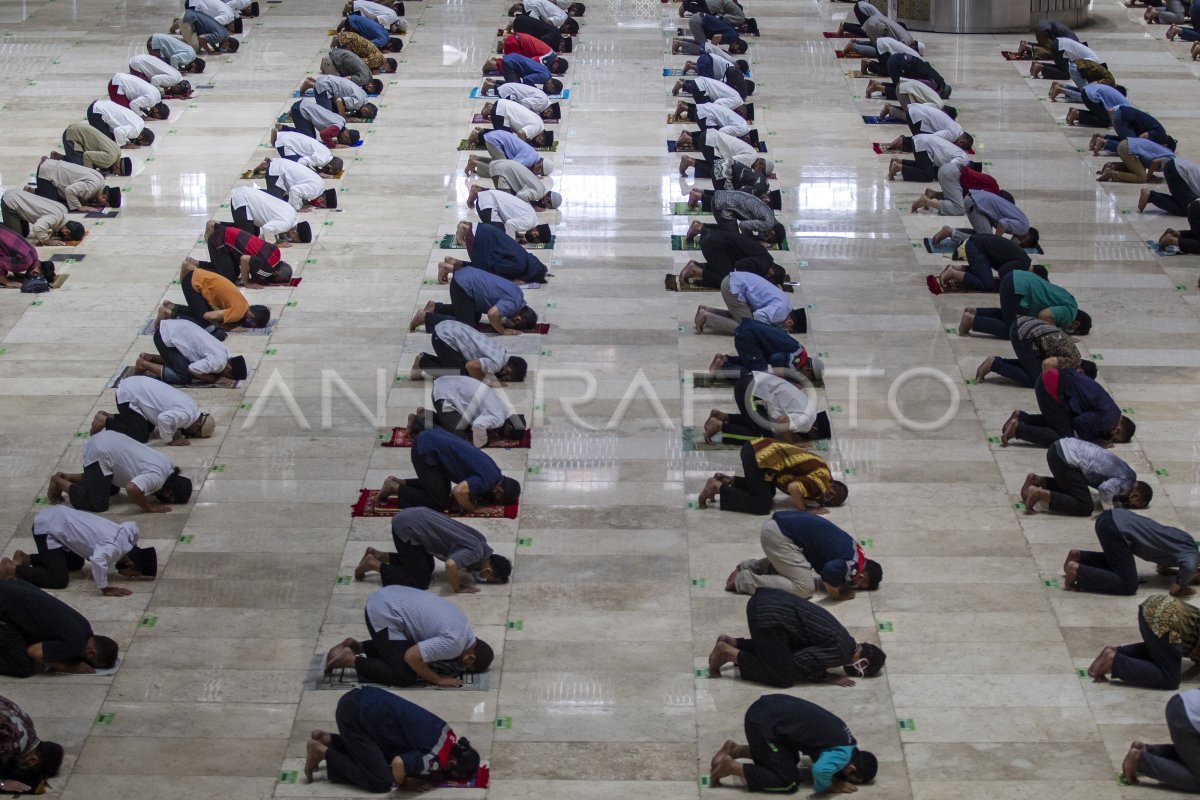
x,y
979,224
697,31
785,566
1176,764
725,322
483,164
952,204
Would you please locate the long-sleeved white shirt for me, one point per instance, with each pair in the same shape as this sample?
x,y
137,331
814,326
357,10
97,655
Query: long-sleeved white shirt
x,y
310,152
519,119
940,151
126,125
531,97
516,214
301,183
91,536
142,95
160,74
162,405
219,11
481,406
931,119
723,118
784,399
546,11
350,93
79,185
205,355
272,215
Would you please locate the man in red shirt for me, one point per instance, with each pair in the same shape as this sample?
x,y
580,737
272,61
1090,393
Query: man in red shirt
x,y
243,257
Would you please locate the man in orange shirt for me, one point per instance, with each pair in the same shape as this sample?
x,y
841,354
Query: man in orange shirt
x,y
213,302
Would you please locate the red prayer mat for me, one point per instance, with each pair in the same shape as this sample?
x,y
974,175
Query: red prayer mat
x,y
1010,55
366,507
400,438
836,35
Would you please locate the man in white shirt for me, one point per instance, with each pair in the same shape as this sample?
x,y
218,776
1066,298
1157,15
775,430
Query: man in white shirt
x,y
517,179
726,150
304,150
709,90
39,219
66,537
470,408
532,97
771,407
138,95
263,215
550,12
160,74
299,185
78,187
518,218
930,152
1065,52
932,120
118,123
510,115
146,407
459,347
188,353
111,462
384,15
713,116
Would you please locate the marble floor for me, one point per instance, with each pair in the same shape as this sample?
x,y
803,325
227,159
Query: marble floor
x,y
617,592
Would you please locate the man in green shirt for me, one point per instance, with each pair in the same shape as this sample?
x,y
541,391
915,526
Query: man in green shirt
x,y
1026,294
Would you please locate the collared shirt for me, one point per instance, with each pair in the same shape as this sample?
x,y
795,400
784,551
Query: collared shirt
x,y
402,729
886,44
221,295
308,151
17,734
817,641
160,74
1152,541
328,123
368,28
205,355
472,344
518,118
490,291
831,551
1073,50
45,217
1106,95
272,215
546,12
17,255
791,726
715,90
162,405
999,211
175,51
206,27
101,541
1038,294
511,146
443,537
727,150
940,150
531,97
931,119
480,406
126,125
878,26
440,630
222,13
769,302
356,44
516,214
98,149
79,184
921,93
39,617
529,70
723,118
528,46
238,243
517,179
300,182
1146,150
350,93
754,217
785,464
784,399
460,461
1178,621
1102,469
384,15
350,66
127,460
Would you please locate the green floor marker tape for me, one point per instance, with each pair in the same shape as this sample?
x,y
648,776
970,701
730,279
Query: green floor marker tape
x,y
704,781
1050,583
884,627
835,409
948,330
41,501
700,672
822,355
524,541
292,303
533,470
515,625
547,353
287,776
245,406
187,538
1162,473
382,437
970,381
906,724
1082,672
1018,506
866,543
693,504
105,718
698,583
148,621
343,580
218,467
1097,357
993,440
403,378
270,351
504,723
310,261
551,305
36,303
850,471
541,407
81,434
1126,410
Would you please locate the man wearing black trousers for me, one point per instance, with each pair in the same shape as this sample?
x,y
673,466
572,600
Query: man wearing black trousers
x,y
1122,536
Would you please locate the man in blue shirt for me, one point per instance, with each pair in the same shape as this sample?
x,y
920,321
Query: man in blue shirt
x,y
384,740
474,292
1140,159
506,145
780,729
372,31
1101,101
451,475
707,28
204,33
1069,404
176,52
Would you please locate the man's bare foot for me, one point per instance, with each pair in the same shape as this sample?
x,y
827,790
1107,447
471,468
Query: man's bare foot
x,y
1072,115
324,737
724,768
727,749
419,318
1172,32
694,230
964,324
1129,766
894,169
1070,573
1008,432
313,758
731,580
1143,199
712,426
721,655
415,373
712,488
8,569
717,364
1100,668
1031,479
1055,92
937,238
335,654
1034,495
369,563
984,369
701,317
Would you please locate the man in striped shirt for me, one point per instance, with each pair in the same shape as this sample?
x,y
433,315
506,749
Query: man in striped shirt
x,y
792,640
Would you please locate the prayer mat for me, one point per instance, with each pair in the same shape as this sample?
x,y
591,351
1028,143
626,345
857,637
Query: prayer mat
x,y
400,438
1154,247
857,73
673,147
673,285
947,246
878,148
447,243
836,35
693,440
295,281
59,280
706,380
682,210
541,329
462,145
668,72
841,54
100,214
889,121
479,119
125,372
148,329
347,678
476,94
366,507
249,175
1010,55
678,243
64,258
